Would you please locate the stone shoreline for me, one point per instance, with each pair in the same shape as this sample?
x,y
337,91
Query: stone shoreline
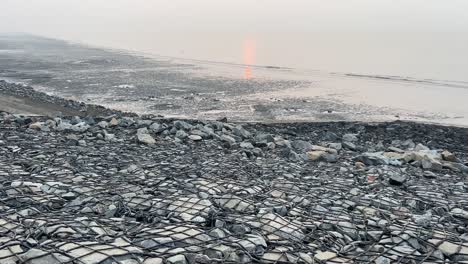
x,y
108,187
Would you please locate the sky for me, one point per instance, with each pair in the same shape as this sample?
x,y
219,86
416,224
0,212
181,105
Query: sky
x,y
83,17
391,37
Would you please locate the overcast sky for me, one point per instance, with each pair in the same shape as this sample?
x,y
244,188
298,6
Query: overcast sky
x,y
278,32
74,17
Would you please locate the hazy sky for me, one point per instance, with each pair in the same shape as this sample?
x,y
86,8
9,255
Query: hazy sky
x,y
80,17
420,37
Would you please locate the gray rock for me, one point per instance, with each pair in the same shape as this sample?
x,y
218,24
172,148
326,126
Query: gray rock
x,y
420,147
337,146
246,145
431,164
349,145
241,132
195,137
382,260
232,202
275,224
301,145
228,139
377,158
103,124
182,125
181,134
144,136
177,259
350,138
157,127
37,256
397,179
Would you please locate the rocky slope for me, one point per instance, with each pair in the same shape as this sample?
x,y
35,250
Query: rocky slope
x,y
146,190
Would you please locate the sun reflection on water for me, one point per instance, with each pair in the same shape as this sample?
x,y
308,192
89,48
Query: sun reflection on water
x,y
249,57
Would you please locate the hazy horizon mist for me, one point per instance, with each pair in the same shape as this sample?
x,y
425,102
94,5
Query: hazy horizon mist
x,y
422,38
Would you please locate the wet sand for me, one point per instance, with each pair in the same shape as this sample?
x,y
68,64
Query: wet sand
x,y
210,90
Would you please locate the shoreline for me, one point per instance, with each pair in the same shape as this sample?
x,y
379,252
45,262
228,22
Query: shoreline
x,y
19,99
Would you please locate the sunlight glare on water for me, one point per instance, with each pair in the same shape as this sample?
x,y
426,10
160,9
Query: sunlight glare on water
x,y
249,57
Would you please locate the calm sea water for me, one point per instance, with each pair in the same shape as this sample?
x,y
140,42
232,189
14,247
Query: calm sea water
x,y
435,56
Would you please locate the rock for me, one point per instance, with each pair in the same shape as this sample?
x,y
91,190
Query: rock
x,y
103,124
397,179
321,153
336,146
349,145
377,158
228,139
190,209
458,212
182,125
316,155
301,145
275,224
241,132
232,202
9,253
430,163
181,134
157,127
144,136
253,244
330,136
382,260
195,137
157,242
457,252
349,138
448,156
80,127
114,122
423,220
323,256
246,145
429,174
36,125
153,261
420,147
177,259
263,139
280,142
37,256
